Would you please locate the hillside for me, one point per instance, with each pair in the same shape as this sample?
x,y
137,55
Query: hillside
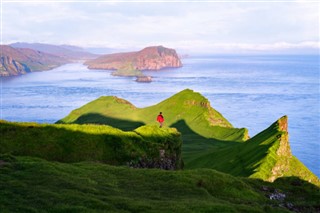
x,y
17,61
146,146
149,58
209,140
266,156
188,111
67,52
36,185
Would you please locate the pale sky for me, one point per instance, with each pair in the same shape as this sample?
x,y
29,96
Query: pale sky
x,y
254,26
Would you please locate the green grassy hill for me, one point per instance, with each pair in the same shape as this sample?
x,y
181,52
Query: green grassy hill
x,y
209,140
188,111
86,167
75,143
266,156
36,185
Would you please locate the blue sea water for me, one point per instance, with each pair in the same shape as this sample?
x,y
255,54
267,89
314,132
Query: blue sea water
x,y
250,91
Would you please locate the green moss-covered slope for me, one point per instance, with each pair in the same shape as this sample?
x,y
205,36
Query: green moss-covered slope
x,y
209,140
75,143
266,156
188,111
35,185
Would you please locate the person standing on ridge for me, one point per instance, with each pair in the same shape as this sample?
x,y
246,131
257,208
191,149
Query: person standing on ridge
x,y
160,119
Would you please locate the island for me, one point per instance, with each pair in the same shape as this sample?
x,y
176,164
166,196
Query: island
x,y
149,58
144,79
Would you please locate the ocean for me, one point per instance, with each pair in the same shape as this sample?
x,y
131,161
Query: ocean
x,y
249,91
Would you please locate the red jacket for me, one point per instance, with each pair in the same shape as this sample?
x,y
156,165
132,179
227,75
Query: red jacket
x,y
160,118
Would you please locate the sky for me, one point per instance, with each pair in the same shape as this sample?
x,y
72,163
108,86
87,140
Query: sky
x,y
205,27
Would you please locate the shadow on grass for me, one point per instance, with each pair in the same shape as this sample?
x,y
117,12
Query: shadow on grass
x,y
190,136
66,143
96,118
235,158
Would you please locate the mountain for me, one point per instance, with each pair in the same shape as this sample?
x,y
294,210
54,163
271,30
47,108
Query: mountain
x,y
149,58
16,61
209,140
67,52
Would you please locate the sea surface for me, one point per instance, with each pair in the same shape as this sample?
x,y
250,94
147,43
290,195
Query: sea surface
x,y
250,91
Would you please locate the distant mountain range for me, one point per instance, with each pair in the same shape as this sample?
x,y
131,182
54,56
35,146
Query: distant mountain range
x,y
149,58
65,51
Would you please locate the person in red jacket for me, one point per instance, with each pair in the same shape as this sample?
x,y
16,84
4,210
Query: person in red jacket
x,y
160,119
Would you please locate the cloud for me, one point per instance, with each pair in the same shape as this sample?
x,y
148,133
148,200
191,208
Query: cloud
x,y
241,26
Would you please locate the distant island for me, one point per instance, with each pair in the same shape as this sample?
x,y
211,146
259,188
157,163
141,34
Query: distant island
x,y
130,64
149,58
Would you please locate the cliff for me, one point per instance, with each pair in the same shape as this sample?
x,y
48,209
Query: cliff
x,y
16,61
9,66
150,58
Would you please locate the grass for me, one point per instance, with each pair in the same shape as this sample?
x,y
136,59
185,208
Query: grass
x,y
63,167
127,70
35,185
258,157
187,111
75,143
209,140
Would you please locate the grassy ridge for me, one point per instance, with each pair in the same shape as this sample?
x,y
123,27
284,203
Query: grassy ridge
x,y
209,140
187,110
266,156
35,185
75,143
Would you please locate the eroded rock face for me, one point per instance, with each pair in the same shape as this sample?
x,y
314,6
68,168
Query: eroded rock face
x,y
283,152
9,66
164,161
17,61
150,58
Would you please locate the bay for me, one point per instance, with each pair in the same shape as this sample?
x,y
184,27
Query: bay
x,y
250,91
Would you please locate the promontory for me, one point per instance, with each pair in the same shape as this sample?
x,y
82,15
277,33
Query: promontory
x,y
149,58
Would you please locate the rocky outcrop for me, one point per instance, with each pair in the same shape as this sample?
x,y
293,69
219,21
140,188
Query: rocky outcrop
x,y
144,79
9,66
283,151
150,58
17,61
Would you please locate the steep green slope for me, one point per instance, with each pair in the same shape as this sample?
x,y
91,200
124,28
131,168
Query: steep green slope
x,y
266,156
188,111
35,185
147,145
